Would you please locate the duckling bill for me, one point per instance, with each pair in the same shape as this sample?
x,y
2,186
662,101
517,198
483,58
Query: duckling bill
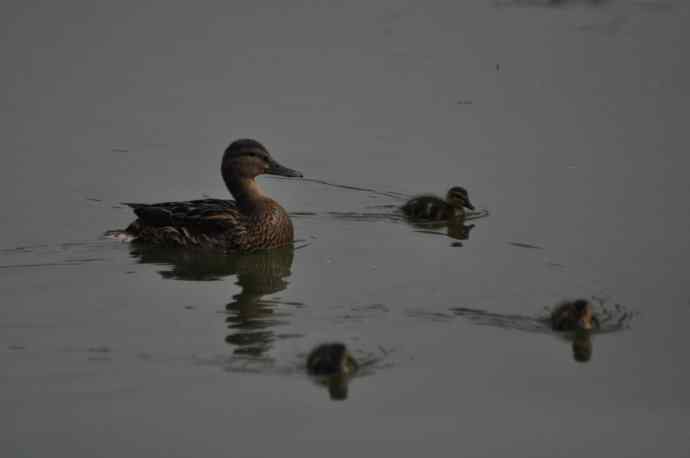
x,y
253,221
433,208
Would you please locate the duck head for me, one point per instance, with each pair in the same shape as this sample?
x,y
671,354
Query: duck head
x,y
457,197
247,159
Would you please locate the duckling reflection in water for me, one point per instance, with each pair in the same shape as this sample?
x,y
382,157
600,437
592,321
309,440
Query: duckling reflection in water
x,y
582,346
333,365
433,208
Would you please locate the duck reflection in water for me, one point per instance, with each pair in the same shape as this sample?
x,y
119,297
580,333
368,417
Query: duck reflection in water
x,y
575,321
332,365
250,318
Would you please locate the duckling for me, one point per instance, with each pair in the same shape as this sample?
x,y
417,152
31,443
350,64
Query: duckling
x,y
331,359
575,315
332,366
253,221
436,209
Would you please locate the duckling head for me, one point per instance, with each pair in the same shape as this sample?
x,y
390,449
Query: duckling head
x,y
584,315
457,197
246,159
331,359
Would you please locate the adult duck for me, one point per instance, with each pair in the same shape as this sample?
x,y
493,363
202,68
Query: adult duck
x,y
253,221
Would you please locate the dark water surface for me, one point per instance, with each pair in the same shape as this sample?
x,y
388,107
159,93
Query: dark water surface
x,y
567,121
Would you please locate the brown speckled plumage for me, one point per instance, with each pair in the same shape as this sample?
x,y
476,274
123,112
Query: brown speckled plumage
x,y
253,221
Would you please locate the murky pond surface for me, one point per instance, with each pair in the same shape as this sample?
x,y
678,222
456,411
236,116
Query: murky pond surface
x,y
567,122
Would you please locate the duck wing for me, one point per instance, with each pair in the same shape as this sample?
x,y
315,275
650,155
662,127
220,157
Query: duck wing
x,y
211,213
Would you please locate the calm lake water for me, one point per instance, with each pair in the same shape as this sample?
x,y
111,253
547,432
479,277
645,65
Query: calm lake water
x,y
567,121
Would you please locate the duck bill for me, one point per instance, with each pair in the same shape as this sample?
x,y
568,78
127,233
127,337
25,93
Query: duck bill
x,y
469,205
276,169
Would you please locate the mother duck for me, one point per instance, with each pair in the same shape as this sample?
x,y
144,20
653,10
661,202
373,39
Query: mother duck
x,y
253,221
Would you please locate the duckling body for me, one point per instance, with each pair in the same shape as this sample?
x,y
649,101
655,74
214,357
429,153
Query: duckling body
x,y
331,359
433,208
573,316
253,221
